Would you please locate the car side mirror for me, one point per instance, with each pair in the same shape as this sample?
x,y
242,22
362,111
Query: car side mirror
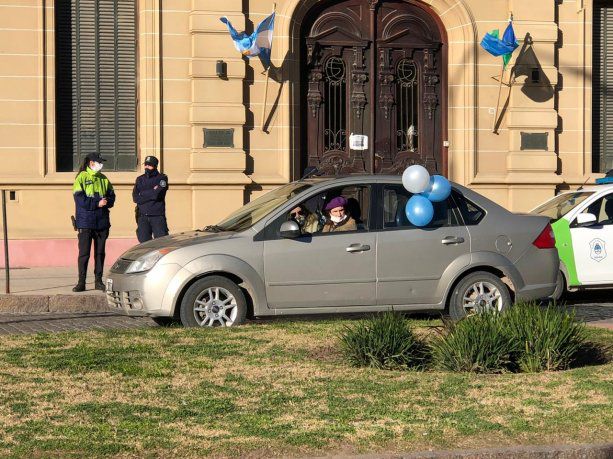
x,y
586,219
290,229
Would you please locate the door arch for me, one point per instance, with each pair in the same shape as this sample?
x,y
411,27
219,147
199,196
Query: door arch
x,y
377,69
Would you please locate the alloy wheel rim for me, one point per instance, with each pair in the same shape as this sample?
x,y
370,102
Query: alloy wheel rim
x,y
481,296
215,306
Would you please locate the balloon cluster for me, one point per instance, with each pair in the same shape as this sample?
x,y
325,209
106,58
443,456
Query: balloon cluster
x,y
426,190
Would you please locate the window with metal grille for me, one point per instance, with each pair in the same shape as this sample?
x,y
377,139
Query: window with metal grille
x,y
335,87
406,114
95,82
602,82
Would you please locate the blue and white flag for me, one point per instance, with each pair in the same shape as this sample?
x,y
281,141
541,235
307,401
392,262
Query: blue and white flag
x,y
501,47
259,43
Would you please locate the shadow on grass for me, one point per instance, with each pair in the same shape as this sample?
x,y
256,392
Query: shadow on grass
x,y
592,354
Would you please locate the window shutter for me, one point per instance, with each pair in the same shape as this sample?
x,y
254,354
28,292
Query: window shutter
x,y
602,100
96,82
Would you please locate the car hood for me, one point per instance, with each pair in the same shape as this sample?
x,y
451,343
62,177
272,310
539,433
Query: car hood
x,y
176,240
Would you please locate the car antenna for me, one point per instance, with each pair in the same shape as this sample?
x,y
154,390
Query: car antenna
x,y
310,172
581,187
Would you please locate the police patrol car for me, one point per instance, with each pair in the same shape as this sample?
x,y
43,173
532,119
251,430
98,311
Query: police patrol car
x,y
582,223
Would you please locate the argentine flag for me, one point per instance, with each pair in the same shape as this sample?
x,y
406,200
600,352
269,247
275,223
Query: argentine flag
x,y
259,43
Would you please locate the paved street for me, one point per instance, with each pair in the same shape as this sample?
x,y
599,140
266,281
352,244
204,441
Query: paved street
x,y
59,322
595,308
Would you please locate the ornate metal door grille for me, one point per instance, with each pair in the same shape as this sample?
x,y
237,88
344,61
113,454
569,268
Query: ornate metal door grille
x,y
335,87
374,68
407,114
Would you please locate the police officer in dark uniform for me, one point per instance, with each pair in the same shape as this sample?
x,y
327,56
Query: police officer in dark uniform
x,y
149,194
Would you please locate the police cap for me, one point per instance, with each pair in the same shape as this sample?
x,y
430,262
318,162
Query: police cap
x,y
151,161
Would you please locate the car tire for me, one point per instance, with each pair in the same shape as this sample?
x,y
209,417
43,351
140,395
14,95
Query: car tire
x,y
476,292
560,291
164,321
213,301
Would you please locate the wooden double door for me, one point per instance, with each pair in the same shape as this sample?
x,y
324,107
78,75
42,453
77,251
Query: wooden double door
x,y
373,88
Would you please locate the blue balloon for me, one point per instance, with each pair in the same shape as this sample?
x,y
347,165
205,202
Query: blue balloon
x,y
419,210
439,189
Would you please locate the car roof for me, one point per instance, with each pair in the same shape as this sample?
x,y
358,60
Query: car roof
x,y
591,188
369,178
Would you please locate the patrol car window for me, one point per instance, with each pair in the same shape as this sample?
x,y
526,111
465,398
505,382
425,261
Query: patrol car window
x,y
562,204
395,198
603,210
249,215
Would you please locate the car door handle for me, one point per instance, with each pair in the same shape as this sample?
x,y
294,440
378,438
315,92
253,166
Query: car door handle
x,y
452,240
354,248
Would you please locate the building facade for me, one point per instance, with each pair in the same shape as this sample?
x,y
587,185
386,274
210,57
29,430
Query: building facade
x,y
131,78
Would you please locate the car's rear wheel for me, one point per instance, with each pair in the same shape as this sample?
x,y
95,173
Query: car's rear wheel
x,y
560,290
214,301
477,292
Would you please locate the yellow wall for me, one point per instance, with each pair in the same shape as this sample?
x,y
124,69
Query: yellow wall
x,y
208,183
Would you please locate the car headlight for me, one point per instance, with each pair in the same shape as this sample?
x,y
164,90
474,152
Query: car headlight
x,y
148,261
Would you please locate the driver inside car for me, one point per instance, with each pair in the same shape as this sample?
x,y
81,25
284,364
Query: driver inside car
x,y
307,221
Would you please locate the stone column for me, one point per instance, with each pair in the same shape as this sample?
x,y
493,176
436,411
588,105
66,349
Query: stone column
x,y
149,90
532,172
217,173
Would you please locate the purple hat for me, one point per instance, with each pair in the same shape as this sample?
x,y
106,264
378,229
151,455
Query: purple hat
x,y
339,201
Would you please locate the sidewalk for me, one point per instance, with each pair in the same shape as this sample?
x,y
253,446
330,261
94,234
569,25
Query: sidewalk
x,y
39,290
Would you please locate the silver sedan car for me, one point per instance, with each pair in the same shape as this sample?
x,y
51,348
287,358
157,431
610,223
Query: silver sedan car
x,y
274,257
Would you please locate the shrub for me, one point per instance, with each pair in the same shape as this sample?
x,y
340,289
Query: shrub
x,y
476,343
545,339
383,341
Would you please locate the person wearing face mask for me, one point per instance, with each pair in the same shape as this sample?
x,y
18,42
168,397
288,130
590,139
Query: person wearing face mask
x,y
306,220
149,194
339,219
93,196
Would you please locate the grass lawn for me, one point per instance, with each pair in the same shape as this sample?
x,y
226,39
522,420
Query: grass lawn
x,y
270,389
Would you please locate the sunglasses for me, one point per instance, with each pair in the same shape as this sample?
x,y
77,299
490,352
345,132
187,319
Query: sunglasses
x,y
295,214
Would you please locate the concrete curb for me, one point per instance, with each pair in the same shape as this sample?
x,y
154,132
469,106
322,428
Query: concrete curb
x,y
35,304
589,451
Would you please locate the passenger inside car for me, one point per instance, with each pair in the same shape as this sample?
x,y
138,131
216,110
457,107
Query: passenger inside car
x,y
338,217
307,221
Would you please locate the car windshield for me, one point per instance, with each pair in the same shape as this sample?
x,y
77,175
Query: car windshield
x,y
249,215
562,204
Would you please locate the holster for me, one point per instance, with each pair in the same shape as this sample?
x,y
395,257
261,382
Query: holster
x,y
74,223
136,214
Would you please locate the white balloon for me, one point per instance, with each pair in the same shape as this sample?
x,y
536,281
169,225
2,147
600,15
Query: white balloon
x,y
416,179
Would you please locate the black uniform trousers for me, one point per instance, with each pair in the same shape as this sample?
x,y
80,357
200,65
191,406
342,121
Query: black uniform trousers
x,y
150,226
99,237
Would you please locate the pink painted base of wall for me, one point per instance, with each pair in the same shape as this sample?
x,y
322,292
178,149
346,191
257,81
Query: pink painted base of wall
x,y
57,252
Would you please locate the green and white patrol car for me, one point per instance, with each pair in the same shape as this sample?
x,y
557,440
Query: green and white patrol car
x,y
582,223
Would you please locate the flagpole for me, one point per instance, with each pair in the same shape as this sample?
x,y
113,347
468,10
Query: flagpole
x,y
500,82
498,99
274,8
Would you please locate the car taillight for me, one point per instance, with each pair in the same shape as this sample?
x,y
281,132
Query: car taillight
x,y
545,240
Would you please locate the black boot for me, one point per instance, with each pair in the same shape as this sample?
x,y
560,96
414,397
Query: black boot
x,y
99,285
80,287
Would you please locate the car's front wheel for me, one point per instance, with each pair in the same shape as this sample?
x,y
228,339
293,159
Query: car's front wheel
x,y
214,301
477,292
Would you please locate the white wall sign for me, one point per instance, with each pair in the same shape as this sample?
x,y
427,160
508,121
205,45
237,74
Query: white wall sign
x,y
358,142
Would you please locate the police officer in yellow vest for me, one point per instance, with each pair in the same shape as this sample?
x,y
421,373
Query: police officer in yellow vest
x,y
93,196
